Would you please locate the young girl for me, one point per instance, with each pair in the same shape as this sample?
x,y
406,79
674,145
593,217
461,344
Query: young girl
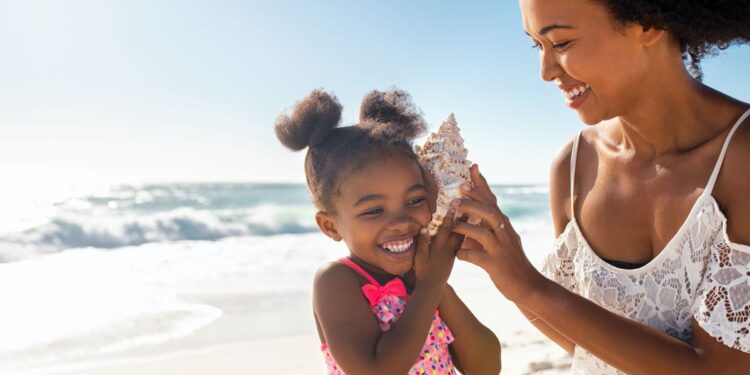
x,y
369,189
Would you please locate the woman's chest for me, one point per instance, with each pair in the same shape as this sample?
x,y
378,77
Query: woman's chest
x,y
659,294
633,219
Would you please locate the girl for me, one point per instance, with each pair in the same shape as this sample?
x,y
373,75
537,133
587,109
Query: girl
x,y
370,190
651,273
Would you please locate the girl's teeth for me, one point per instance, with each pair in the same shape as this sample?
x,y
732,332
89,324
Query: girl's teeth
x,y
398,246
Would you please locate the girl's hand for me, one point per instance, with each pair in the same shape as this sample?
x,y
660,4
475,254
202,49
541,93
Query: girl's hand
x,y
434,258
494,245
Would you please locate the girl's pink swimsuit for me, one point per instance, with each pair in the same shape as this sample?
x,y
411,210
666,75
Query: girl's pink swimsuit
x,y
388,302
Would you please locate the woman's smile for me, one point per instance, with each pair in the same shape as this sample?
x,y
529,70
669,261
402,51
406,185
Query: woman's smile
x,y
575,95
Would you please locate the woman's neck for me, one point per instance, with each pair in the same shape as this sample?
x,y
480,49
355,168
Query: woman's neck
x,y
671,115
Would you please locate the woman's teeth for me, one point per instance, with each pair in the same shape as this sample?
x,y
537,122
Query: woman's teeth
x,y
398,246
576,92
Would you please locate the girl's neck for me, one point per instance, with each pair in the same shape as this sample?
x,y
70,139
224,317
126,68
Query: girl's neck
x,y
376,272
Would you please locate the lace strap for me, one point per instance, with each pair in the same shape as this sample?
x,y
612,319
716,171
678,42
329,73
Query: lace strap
x,y
573,157
717,167
360,270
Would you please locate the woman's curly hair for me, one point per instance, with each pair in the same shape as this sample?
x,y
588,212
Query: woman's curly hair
x,y
389,122
700,27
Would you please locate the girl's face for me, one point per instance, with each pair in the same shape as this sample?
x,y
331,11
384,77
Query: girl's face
x,y
380,210
597,65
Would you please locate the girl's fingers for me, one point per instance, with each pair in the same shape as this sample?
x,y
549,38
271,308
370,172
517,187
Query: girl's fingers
x,y
432,189
423,245
444,230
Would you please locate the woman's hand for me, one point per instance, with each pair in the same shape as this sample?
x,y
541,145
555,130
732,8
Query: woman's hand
x,y
434,258
494,245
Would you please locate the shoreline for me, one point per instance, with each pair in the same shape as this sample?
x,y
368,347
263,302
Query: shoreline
x,y
524,350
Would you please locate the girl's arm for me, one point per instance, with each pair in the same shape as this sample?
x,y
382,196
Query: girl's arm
x,y
349,327
626,344
476,348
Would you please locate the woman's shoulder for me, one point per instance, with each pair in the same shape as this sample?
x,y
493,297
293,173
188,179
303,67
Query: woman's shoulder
x,y
733,185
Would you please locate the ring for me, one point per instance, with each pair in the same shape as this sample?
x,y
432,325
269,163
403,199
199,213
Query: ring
x,y
498,227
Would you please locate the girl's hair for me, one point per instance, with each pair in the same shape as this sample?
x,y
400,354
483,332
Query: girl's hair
x,y
389,122
700,27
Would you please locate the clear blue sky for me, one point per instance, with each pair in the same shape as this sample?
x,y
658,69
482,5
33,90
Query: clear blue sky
x,y
149,91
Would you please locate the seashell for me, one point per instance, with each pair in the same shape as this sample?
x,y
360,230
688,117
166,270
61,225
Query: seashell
x,y
444,156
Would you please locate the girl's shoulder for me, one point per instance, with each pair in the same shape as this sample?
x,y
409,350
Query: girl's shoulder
x,y
335,275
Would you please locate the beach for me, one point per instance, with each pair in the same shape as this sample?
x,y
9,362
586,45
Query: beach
x,y
524,350
237,300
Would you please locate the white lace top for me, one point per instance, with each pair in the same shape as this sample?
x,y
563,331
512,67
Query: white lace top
x,y
699,275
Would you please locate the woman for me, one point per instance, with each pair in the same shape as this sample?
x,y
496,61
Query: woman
x,y
651,204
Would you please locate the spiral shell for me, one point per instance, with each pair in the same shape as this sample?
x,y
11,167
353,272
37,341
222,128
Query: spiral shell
x,y
444,156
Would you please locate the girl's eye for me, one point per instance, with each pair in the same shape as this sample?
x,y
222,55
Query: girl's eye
x,y
374,211
415,201
536,45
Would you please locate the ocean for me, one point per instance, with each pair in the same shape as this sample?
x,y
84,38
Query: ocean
x,y
91,275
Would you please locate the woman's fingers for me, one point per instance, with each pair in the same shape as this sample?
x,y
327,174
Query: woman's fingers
x,y
483,236
475,257
480,183
470,243
477,194
490,215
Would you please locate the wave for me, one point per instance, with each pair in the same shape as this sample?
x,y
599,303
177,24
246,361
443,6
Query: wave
x,y
73,230
136,215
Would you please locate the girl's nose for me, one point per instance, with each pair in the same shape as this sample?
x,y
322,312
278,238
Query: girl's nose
x,y
401,223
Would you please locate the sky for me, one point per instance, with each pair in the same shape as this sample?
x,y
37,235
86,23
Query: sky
x,y
138,91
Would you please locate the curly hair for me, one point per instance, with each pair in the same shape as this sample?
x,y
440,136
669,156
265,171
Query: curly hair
x,y
700,27
389,122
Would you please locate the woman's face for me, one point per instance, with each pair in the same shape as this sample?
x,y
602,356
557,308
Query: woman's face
x,y
596,63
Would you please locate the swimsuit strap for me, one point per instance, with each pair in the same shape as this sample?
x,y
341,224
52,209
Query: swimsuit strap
x,y
360,270
573,157
717,168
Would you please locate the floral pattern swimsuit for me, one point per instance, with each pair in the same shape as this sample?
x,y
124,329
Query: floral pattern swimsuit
x,y
388,302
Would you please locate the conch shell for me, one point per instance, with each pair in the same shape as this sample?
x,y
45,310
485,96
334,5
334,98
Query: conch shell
x,y
444,156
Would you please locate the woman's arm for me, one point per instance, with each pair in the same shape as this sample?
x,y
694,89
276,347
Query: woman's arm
x,y
349,328
476,348
628,345
559,200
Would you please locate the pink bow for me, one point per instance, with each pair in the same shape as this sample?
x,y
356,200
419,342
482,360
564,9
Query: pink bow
x,y
374,293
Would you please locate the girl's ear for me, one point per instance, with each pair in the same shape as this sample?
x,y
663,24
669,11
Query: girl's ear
x,y
327,225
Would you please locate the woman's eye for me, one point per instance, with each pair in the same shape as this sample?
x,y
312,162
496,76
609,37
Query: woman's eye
x,y
559,46
536,45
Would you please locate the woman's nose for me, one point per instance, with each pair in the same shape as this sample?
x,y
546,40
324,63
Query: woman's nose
x,y
550,69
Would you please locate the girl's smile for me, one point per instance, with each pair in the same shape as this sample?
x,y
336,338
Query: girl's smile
x,y
379,212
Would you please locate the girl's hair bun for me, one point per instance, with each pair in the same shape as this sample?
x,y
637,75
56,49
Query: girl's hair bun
x,y
391,115
311,120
